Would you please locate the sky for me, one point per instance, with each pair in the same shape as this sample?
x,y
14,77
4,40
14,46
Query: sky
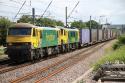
x,y
111,11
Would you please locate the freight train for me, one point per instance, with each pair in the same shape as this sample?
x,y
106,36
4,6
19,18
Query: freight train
x,y
26,42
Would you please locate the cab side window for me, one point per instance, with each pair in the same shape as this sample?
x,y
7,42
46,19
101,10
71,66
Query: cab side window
x,y
61,31
40,34
34,32
64,32
57,34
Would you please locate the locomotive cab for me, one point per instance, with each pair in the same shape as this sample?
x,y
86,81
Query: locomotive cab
x,y
22,39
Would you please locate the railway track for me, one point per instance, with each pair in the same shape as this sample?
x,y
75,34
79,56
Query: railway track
x,y
8,68
6,65
43,74
4,62
111,72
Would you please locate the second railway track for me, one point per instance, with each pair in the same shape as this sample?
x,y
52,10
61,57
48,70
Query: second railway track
x,y
45,73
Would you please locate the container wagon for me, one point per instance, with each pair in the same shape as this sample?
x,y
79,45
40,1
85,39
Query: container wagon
x,y
100,35
84,37
94,36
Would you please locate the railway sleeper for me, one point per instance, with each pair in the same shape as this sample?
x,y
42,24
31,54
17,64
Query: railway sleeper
x,y
110,70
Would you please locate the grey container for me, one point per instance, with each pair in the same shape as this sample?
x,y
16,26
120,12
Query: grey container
x,y
84,36
93,35
105,34
100,35
114,33
109,33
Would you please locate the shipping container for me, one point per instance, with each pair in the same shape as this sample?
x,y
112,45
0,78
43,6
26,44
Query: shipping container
x,y
105,34
114,33
84,36
100,35
94,35
109,35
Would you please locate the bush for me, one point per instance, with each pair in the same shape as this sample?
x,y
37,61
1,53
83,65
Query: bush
x,y
117,55
4,24
119,43
121,39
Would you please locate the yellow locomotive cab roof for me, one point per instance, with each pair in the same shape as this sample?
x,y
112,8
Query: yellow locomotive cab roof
x,y
25,25
68,29
48,28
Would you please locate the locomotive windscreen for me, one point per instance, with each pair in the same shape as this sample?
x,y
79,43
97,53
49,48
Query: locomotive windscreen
x,y
19,31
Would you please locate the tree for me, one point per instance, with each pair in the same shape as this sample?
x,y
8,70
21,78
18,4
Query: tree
x,y
40,21
59,23
4,25
45,22
94,24
25,19
78,24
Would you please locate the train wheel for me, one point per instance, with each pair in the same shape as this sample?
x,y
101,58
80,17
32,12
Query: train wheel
x,y
32,54
57,50
68,47
41,53
37,55
45,52
11,58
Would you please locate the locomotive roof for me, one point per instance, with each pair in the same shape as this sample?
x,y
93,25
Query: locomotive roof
x,y
60,27
48,28
23,25
27,25
68,29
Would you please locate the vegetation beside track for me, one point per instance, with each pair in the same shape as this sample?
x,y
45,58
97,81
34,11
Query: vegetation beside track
x,y
1,51
117,54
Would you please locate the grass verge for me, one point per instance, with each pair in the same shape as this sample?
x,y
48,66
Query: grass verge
x,y
116,55
1,51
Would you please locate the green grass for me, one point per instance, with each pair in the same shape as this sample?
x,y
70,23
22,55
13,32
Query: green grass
x,y
116,55
120,42
1,51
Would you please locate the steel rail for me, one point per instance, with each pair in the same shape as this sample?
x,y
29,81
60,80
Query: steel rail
x,y
31,74
73,62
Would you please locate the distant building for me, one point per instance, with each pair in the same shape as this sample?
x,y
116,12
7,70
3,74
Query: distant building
x,y
115,26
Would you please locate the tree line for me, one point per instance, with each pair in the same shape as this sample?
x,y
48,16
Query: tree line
x,y
6,23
